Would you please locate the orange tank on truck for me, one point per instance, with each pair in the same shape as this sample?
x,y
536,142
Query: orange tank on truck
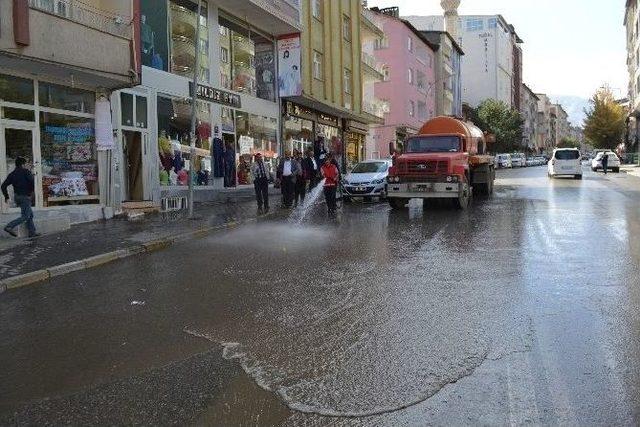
x,y
447,159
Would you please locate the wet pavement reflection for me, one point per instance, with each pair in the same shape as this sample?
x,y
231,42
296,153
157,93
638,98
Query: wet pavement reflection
x,y
522,309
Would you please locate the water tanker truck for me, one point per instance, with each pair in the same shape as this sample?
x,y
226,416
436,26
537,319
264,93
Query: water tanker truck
x,y
447,159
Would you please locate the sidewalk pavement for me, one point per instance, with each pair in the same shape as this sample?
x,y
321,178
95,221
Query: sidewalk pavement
x,y
631,169
100,242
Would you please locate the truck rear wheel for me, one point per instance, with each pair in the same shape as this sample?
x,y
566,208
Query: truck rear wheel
x,y
463,197
397,203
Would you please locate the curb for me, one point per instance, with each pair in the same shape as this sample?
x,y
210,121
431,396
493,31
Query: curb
x,y
38,276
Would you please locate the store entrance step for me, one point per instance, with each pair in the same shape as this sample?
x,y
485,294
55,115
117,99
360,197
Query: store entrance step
x,y
137,210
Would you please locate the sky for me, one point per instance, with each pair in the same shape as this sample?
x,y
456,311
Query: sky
x,y
571,47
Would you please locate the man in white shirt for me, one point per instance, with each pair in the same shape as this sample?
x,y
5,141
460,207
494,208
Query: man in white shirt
x,y
288,170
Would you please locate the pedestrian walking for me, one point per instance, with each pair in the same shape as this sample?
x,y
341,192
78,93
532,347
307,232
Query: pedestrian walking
x,y
288,169
331,175
300,189
260,175
605,162
22,181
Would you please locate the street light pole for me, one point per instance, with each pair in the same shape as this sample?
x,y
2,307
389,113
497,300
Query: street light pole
x,y
192,142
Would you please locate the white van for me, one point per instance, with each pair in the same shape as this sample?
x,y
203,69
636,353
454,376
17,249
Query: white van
x,y
565,161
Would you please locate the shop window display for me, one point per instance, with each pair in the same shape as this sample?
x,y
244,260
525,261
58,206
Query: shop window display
x,y
174,128
251,65
298,134
69,160
66,98
183,39
255,134
16,89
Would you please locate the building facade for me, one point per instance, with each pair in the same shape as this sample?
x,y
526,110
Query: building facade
x,y
562,122
237,105
448,87
492,64
409,85
326,110
529,112
545,134
59,64
632,24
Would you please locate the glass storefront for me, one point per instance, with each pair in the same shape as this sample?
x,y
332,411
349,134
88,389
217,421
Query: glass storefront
x,y
355,143
298,134
67,157
247,60
255,134
174,128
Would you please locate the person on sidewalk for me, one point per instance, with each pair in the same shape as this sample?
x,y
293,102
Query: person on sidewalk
x,y
605,162
287,171
300,190
310,170
260,175
22,181
331,175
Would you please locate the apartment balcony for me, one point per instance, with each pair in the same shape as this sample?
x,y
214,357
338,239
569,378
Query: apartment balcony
x,y
277,17
375,108
371,67
370,25
72,41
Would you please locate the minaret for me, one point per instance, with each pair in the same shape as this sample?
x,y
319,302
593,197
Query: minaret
x,y
451,16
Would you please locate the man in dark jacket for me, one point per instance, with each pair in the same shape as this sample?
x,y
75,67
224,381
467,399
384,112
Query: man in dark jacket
x,y
288,170
605,162
22,181
310,169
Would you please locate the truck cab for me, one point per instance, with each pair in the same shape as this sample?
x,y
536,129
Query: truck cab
x,y
445,160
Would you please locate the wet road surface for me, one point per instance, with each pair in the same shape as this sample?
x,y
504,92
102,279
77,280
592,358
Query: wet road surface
x,y
522,309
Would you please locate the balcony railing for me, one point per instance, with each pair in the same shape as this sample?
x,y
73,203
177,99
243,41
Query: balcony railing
x,y
369,20
371,62
86,15
376,107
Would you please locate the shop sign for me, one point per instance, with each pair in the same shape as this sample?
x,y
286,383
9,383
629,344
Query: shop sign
x,y
289,77
357,127
327,119
104,127
208,93
300,111
246,144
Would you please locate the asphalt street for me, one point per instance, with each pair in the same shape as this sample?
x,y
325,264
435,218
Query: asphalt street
x,y
525,308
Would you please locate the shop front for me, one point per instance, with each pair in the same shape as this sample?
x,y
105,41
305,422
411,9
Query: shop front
x,y
306,128
53,127
355,135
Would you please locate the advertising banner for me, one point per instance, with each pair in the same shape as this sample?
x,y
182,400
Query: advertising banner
x,y
289,77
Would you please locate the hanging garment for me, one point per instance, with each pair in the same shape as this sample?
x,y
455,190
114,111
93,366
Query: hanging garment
x,y
218,158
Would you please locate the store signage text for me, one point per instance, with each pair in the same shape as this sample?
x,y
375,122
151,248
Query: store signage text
x,y
208,93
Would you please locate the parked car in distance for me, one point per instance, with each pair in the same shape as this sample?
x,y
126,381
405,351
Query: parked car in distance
x,y
503,161
613,161
565,161
540,161
518,160
367,179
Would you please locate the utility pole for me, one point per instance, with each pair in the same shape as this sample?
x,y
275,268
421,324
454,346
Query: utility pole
x,y
192,142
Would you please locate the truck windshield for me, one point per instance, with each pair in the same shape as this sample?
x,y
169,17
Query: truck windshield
x,y
433,144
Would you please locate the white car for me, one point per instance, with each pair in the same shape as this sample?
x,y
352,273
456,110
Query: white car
x,y
613,161
565,161
367,179
503,161
518,160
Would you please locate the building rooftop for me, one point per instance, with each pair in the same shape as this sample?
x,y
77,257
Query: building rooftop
x,y
434,36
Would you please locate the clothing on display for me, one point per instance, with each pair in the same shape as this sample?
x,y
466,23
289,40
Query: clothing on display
x,y
218,158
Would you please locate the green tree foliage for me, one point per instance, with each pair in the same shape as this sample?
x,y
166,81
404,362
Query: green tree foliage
x,y
569,143
498,118
604,126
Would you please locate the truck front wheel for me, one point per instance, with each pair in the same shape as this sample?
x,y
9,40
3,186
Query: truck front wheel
x,y
397,203
463,197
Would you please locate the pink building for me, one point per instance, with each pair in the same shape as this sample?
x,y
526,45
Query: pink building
x,y
408,90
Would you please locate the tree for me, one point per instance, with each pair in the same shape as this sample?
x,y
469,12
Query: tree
x,y
569,143
604,125
498,118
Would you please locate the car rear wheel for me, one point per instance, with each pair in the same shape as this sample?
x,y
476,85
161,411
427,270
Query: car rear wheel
x,y
397,203
616,170
578,177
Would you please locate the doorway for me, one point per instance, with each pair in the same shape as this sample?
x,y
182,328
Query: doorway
x,y
133,167
20,142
